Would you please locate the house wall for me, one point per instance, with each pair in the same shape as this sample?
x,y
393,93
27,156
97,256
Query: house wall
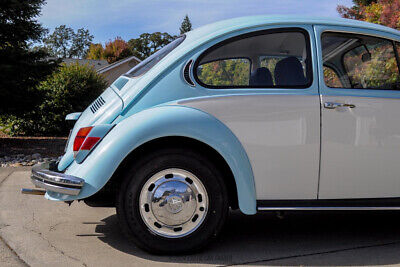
x,y
112,74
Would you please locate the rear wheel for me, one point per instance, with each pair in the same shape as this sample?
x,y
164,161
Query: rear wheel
x,y
172,201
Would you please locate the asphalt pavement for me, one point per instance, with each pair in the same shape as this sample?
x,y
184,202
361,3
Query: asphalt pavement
x,y
38,232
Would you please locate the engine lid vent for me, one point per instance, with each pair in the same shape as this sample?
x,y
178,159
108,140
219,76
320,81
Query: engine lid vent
x,y
97,104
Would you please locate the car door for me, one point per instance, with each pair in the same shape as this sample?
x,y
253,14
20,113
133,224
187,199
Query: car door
x,y
360,117
260,84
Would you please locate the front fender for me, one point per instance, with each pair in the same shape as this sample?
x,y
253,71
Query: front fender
x,y
159,122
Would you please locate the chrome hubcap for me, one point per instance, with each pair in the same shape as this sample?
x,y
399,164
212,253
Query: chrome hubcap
x,y
173,203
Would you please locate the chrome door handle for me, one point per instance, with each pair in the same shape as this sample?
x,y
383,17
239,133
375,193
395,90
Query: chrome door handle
x,y
333,105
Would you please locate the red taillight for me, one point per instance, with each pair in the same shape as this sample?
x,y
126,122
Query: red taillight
x,y
80,137
89,142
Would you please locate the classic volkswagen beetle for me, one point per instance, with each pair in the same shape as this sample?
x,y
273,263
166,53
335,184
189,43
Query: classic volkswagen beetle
x,y
256,113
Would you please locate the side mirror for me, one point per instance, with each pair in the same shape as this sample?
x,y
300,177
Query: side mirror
x,y
73,116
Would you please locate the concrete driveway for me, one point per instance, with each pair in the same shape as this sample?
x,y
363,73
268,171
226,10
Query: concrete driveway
x,y
38,232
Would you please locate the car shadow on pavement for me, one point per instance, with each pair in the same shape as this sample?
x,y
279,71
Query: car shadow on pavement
x,y
300,238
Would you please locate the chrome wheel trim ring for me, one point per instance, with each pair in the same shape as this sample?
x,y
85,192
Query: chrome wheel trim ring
x,y
173,203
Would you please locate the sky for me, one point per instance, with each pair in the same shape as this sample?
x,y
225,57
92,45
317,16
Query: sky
x,y
107,19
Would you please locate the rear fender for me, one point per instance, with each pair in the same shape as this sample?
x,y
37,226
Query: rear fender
x,y
157,122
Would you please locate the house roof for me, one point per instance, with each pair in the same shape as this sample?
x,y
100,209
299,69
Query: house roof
x,y
117,63
95,63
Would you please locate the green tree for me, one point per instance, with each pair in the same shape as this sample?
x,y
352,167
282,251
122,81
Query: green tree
x,y
80,43
20,67
149,43
225,72
186,25
60,41
65,43
96,51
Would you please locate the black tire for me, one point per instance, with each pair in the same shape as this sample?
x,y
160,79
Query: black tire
x,y
127,203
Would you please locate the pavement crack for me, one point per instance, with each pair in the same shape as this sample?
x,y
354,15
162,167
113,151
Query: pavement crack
x,y
53,227
314,254
5,178
56,248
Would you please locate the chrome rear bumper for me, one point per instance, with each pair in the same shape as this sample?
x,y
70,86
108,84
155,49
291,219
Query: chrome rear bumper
x,y
54,181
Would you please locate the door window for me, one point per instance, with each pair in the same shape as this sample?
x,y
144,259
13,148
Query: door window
x,y
364,62
264,59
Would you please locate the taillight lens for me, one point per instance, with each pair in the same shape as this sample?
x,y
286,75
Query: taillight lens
x,y
87,138
80,137
90,142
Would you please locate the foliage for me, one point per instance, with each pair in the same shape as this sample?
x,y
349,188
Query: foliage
x,y
69,89
142,47
96,51
65,43
9,124
186,25
380,71
116,50
80,43
149,43
225,72
331,78
21,68
72,88
385,12
59,42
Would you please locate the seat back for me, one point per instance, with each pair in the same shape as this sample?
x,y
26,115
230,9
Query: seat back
x,y
289,72
261,77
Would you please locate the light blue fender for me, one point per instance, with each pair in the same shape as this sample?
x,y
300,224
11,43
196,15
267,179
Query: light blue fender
x,y
163,121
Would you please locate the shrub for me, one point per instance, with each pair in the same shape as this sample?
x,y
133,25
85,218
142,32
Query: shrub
x,y
69,89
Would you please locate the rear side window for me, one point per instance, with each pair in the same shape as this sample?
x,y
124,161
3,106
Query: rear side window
x,y
265,59
363,61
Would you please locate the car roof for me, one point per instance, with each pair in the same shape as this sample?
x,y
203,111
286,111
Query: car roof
x,y
204,34
225,26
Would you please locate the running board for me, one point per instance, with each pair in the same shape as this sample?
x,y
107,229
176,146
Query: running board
x,y
329,204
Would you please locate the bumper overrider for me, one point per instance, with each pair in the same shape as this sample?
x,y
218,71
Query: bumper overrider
x,y
45,176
